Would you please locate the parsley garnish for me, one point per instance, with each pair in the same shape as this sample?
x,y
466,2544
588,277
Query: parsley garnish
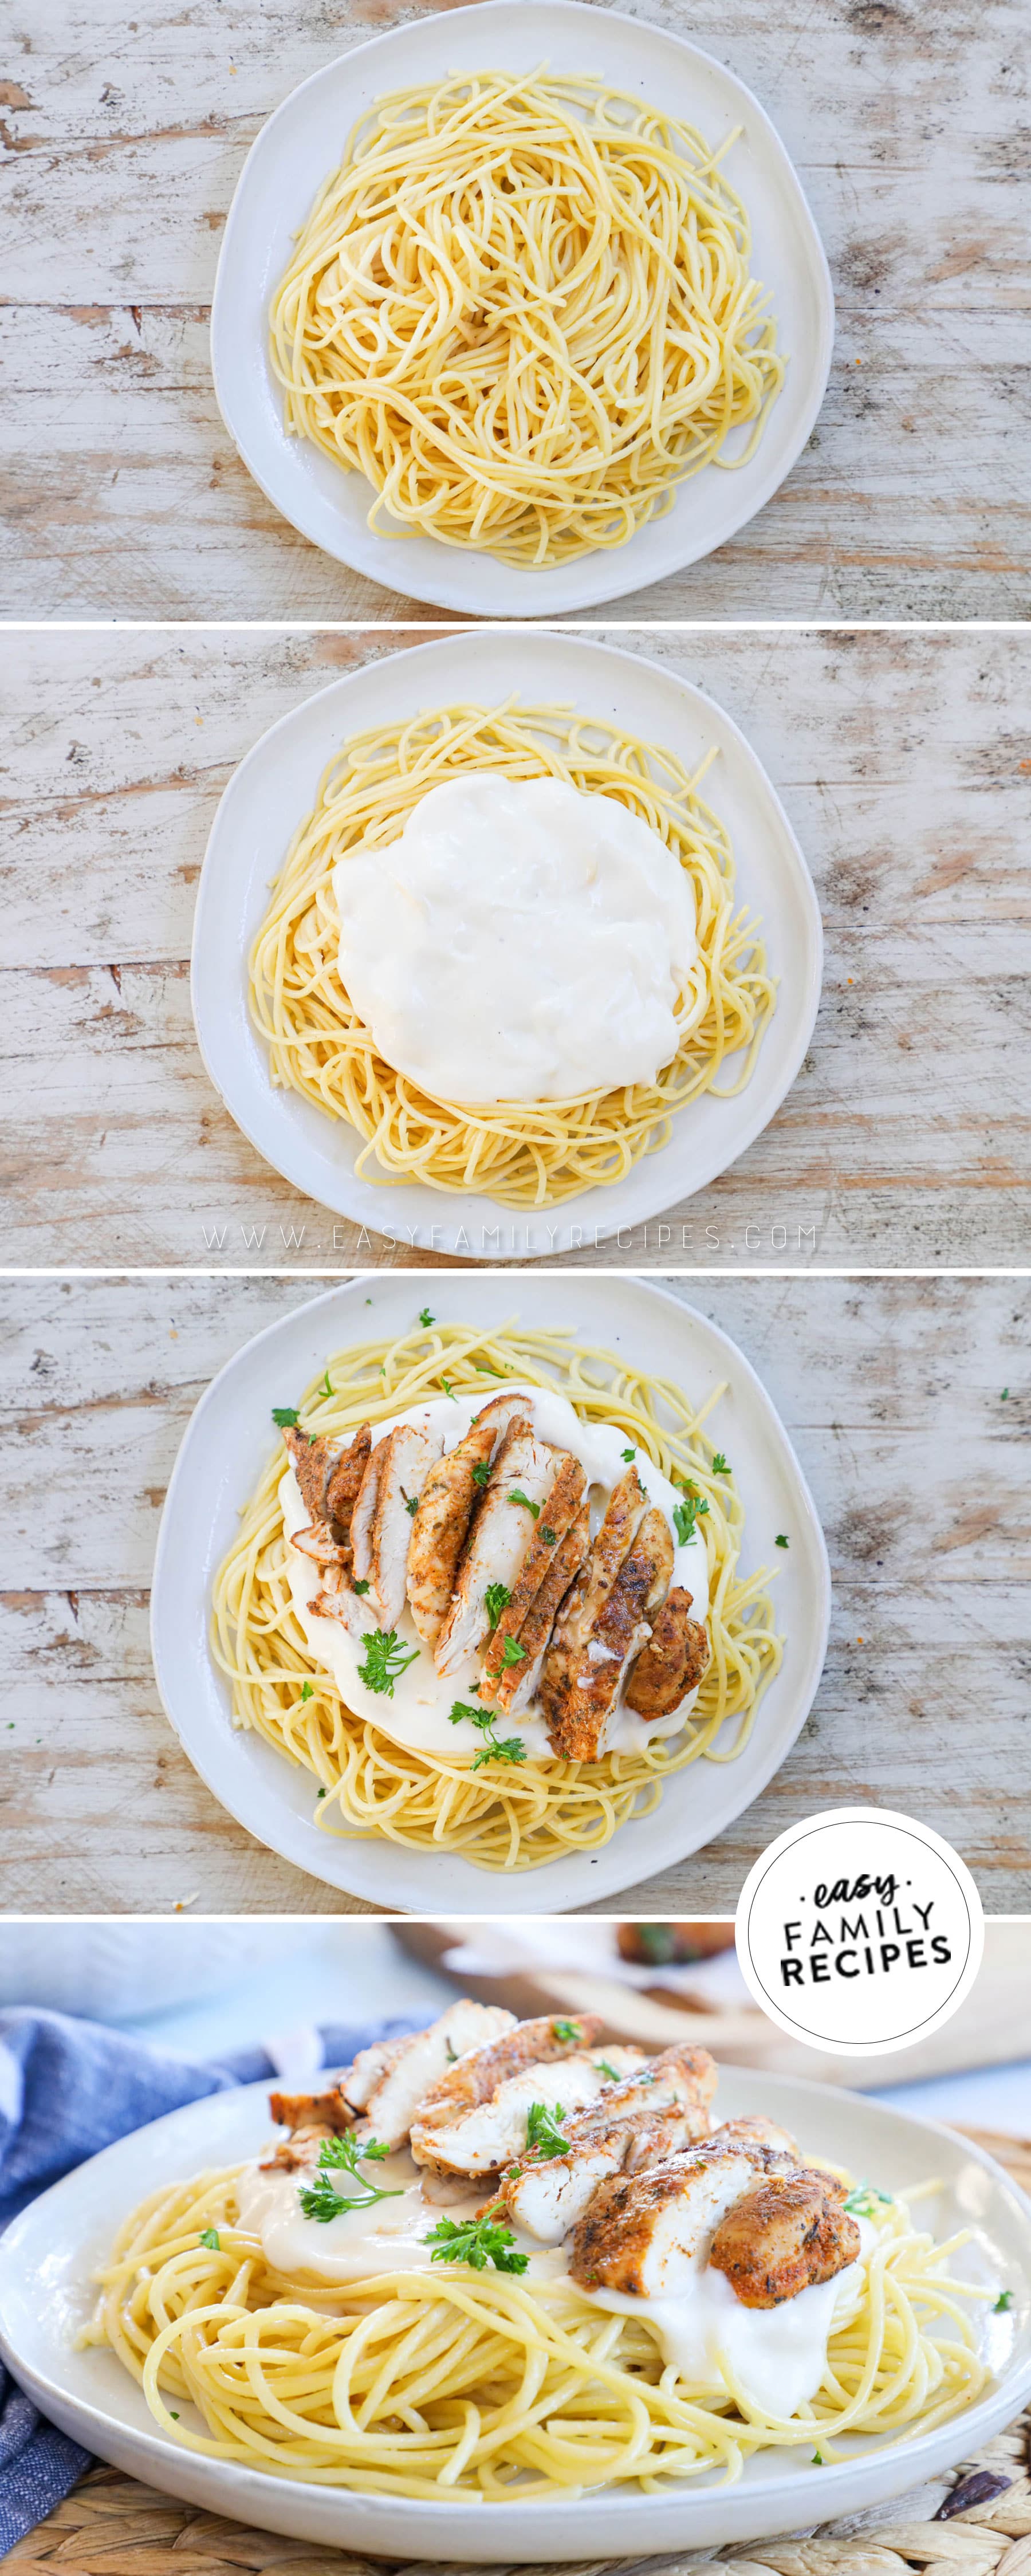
x,y
497,1598
449,1389
544,2130
629,1455
1004,2300
549,1536
719,1464
307,1691
385,1661
484,1369
568,2030
359,1587
517,1496
863,2199
512,1653
210,2238
605,2069
325,1388
817,2459
476,2241
411,1503
780,1542
509,1748
481,1473
285,1415
324,2201
173,2414
686,1514
425,1318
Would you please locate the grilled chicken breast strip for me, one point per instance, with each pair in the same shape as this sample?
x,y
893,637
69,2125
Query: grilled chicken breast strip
x,y
388,2084
662,2106
789,2232
499,1540
479,2076
650,2233
583,1669
554,1519
517,1685
381,1523
449,1500
672,1663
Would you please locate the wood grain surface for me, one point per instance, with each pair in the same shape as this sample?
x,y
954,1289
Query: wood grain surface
x,y
892,1391
904,761
124,127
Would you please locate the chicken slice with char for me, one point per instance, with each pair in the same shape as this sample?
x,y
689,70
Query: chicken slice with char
x,y
381,1524
648,2233
787,2233
662,2106
450,1499
388,2084
553,1521
310,2117
328,1479
476,2079
518,1684
499,1541
583,1671
625,1511
673,1661
335,1600
491,2133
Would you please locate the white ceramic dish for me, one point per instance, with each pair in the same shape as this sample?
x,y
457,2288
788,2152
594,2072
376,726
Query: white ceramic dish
x,y
275,786
224,1451
48,2255
304,140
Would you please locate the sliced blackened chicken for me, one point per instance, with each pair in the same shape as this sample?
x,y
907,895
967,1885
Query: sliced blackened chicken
x,y
648,2233
672,1663
507,1648
585,1665
329,1478
448,2134
662,2106
389,2081
310,2117
519,1682
787,2233
499,1540
381,1523
450,1499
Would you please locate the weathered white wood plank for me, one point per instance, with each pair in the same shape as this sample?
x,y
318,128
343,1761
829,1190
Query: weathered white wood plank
x,y
893,1393
125,124
903,760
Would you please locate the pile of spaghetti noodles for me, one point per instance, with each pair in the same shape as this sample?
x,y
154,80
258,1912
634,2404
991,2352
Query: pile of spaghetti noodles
x,y
522,308
449,2381
504,1815
525,1153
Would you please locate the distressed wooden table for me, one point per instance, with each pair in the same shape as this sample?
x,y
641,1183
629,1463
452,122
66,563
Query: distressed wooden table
x,y
893,1393
904,761
125,124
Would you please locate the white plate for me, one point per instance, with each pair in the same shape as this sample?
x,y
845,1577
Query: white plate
x,y
225,1449
304,140
50,2252
275,786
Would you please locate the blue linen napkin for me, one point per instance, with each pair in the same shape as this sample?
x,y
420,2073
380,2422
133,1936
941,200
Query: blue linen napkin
x,y
68,2088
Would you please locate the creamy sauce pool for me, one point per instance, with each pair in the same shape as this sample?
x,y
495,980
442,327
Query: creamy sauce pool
x,y
519,941
418,1713
777,2355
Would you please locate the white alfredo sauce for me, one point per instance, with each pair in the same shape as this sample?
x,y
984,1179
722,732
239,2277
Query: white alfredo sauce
x,y
519,941
776,2355
418,1715
361,2243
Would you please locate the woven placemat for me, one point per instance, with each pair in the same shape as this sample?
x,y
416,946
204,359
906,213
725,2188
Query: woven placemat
x,y
974,2522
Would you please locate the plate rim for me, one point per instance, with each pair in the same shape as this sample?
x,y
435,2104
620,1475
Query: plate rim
x,y
609,1883
589,593
536,2514
766,1104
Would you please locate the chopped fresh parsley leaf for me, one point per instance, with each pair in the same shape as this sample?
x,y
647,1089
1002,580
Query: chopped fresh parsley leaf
x,y
780,1542
484,1369
210,2238
1004,2300
686,1514
425,1318
385,1661
567,2030
509,1749
345,2155
1004,1395
512,1653
359,1587
320,1794
517,1496
325,1388
629,1455
497,1598
817,2459
449,1389
476,2241
605,2069
411,1504
174,2415
481,1473
285,1415
458,1710
544,2130
719,1464
862,2200
307,1691
549,1536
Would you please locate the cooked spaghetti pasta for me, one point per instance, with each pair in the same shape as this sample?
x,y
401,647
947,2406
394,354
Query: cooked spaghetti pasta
x,y
501,1816
522,308
448,2382
524,1153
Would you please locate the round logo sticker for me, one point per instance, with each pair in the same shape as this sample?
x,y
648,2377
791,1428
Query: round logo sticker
x,y
859,1930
